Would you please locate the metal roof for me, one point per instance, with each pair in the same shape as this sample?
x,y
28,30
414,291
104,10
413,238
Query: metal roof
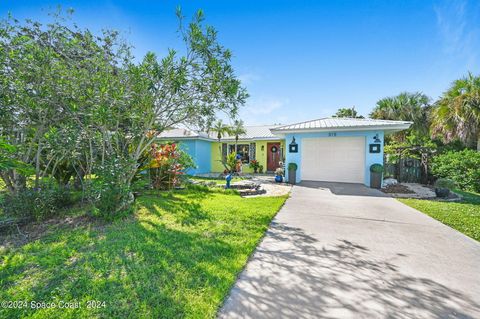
x,y
260,132
275,132
182,133
341,123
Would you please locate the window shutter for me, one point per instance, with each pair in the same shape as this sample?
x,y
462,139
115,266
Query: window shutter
x,y
252,151
224,151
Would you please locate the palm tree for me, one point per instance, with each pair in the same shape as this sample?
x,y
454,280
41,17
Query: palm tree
x,y
221,129
405,107
348,112
237,129
457,113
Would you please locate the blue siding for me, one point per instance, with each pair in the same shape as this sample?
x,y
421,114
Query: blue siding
x,y
370,158
200,152
203,157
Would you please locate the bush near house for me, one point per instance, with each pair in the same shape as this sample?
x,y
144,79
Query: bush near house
x,y
462,167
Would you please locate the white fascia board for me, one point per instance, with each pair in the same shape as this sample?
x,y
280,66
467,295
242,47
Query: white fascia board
x,y
398,127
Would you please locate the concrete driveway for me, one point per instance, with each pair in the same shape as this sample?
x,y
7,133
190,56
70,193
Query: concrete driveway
x,y
346,251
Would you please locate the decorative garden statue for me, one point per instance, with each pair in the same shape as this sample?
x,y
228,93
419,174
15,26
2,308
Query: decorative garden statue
x,y
228,179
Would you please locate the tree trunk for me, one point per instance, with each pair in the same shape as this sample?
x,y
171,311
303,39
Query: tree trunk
x,y
19,181
37,164
478,142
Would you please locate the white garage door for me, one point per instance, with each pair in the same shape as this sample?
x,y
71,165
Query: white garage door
x,y
333,159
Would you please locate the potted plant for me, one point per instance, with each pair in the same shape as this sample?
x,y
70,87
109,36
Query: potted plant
x,y
443,187
254,164
260,169
292,173
376,174
279,175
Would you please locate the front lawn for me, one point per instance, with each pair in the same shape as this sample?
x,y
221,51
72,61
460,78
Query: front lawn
x,y
177,257
463,216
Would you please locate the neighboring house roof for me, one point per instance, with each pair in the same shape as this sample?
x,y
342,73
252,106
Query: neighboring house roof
x,y
343,124
182,133
260,132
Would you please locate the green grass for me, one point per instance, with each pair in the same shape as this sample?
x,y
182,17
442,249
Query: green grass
x,y
177,257
464,216
217,180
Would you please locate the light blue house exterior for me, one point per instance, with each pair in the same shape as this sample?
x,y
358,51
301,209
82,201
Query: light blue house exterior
x,y
370,158
363,137
200,151
328,149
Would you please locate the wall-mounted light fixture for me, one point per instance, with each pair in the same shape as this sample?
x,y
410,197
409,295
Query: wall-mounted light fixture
x,y
376,139
293,146
263,148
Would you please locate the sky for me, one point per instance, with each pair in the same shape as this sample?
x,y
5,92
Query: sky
x,y
302,60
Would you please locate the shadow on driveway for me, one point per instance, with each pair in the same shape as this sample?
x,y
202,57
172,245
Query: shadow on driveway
x,y
297,278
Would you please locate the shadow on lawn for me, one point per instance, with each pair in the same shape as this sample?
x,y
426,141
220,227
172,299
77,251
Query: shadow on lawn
x,y
307,281
184,206
140,267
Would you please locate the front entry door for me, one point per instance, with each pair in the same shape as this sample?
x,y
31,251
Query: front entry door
x,y
273,156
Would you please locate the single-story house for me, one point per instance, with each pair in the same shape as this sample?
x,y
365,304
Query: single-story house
x,y
327,149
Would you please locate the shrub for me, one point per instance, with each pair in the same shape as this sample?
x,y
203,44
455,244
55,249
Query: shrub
x,y
376,168
292,166
445,183
254,164
168,165
37,204
230,163
110,193
462,167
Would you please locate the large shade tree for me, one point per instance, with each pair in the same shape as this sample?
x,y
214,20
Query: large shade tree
x,y
58,80
457,114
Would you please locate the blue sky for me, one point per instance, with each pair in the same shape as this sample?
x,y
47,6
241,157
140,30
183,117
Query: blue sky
x,y
302,60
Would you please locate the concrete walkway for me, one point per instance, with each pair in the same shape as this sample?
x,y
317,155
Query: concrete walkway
x,y
346,251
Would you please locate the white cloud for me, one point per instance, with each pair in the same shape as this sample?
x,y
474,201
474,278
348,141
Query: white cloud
x,y
264,110
459,35
249,78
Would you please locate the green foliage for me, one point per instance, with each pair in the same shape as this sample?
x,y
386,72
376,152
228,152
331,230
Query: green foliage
x,y
462,167
292,166
73,102
406,106
168,165
109,194
36,204
254,164
237,129
231,162
376,168
348,112
221,129
445,183
457,114
8,160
